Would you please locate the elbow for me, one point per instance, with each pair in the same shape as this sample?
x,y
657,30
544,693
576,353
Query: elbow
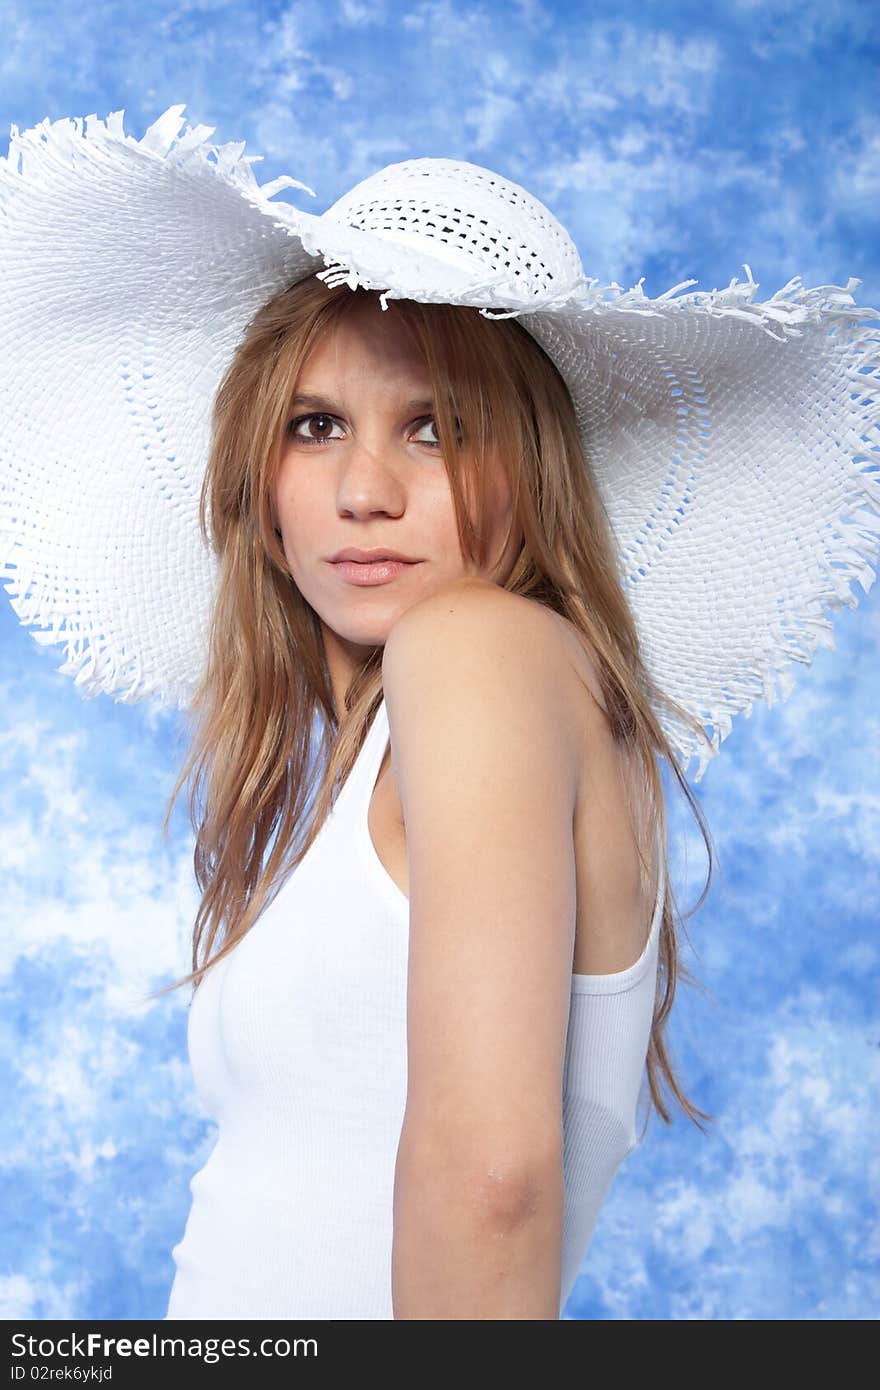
x,y
476,1237
506,1198
494,1191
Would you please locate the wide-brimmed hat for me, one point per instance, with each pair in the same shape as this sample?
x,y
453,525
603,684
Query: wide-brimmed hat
x,y
734,441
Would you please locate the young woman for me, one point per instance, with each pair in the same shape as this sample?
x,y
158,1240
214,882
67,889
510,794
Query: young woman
x,y
445,553
479,927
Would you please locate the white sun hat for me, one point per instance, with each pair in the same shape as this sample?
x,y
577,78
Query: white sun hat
x,y
735,442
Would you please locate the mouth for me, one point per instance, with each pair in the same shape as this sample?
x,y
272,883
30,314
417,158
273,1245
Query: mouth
x,y
353,552
365,573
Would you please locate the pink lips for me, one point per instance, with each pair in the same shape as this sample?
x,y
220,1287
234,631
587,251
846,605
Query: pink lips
x,y
367,573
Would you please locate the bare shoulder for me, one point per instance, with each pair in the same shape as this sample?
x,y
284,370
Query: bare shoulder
x,y
493,625
474,636
471,609
467,596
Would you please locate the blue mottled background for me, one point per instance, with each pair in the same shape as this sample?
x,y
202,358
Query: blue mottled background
x,y
673,140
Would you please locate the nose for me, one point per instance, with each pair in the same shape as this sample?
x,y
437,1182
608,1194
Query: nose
x,y
368,481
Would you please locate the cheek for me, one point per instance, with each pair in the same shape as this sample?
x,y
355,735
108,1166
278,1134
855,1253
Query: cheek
x,y
501,485
279,491
500,499
503,502
293,501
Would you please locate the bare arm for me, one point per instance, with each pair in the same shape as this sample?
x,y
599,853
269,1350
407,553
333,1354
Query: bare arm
x,y
484,751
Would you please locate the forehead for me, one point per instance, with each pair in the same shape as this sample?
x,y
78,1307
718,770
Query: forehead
x,y
366,340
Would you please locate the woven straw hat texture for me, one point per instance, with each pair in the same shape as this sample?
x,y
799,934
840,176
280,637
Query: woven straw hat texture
x,y
735,442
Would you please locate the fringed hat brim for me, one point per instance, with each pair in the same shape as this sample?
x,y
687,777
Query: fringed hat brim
x,y
734,442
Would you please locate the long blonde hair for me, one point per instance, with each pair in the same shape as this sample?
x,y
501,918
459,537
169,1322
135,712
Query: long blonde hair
x,y
266,679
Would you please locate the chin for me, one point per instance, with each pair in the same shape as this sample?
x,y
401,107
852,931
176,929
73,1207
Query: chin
x,y
369,632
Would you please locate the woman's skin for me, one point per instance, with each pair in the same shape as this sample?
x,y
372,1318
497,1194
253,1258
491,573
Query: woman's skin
x,y
372,476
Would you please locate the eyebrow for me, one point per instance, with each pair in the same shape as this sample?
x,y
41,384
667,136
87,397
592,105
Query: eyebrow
x,y
312,402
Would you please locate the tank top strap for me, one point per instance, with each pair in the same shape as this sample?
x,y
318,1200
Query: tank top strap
x,y
358,788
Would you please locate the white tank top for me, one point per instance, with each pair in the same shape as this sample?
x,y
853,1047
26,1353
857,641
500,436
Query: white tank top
x,y
297,1041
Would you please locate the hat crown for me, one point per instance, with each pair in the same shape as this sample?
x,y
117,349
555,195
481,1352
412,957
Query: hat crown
x,y
466,215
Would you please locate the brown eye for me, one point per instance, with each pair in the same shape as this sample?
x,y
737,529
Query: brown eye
x,y
316,427
429,421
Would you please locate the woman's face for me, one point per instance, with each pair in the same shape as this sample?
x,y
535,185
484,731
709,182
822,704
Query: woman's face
x,y
361,467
